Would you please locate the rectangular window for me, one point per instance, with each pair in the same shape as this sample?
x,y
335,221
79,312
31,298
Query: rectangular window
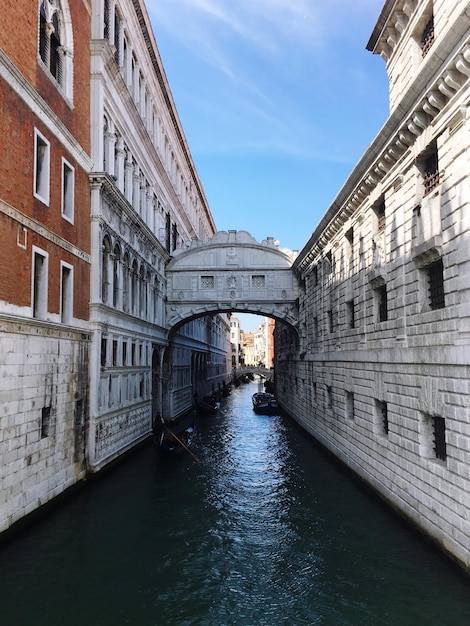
x,y
350,237
258,281
439,428
66,293
330,321
427,38
104,351
45,421
379,210
382,415
435,276
207,282
349,402
350,314
382,304
433,437
68,191
124,352
329,396
39,287
42,149
115,352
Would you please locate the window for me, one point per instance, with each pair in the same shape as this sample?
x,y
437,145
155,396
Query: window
x,y
381,411
439,431
427,37
350,237
41,167
124,352
428,165
329,396
350,314
349,405
104,350
115,352
330,321
45,421
258,281
207,282
50,49
433,441
381,303
379,210
435,280
39,295
56,42
66,293
68,191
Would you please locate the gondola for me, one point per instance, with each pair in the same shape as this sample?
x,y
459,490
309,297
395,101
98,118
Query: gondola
x,y
176,441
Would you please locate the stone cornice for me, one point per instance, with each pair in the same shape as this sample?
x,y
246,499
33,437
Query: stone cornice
x,y
149,38
427,97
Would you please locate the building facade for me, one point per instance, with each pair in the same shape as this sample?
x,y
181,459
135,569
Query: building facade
x,y
147,200
98,188
45,253
379,372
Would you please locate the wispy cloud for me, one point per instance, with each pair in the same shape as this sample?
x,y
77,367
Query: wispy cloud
x,y
266,70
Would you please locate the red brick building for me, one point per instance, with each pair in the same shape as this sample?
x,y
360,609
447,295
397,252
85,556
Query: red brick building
x,y
44,249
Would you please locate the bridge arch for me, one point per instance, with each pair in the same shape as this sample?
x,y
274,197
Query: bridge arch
x,y
231,272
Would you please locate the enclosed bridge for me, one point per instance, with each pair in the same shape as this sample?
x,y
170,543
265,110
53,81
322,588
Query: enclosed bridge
x,y
231,272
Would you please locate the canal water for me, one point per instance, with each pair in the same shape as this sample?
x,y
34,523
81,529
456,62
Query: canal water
x,y
262,529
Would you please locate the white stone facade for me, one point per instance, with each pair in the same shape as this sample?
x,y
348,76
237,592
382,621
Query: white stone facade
x,y
147,201
380,375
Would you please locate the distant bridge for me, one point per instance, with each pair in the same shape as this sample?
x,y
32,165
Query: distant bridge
x,y
232,272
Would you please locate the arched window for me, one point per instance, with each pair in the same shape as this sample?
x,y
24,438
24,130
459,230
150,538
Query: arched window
x,y
116,275
125,282
105,269
56,42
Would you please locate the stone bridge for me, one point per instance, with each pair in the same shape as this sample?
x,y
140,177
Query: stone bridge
x,y
231,272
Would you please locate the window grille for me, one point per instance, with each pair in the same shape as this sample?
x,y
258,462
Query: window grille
x,y
384,414
382,304
440,449
380,213
258,281
431,173
427,38
45,421
436,285
207,282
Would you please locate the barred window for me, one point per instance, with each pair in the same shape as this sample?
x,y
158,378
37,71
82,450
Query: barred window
x,y
379,210
258,281
430,173
435,274
207,282
427,38
439,428
382,303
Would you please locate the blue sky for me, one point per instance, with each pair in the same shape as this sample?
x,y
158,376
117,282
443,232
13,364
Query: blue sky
x,y
278,100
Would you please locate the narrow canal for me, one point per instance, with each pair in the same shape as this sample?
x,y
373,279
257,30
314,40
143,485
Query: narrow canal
x,y
263,530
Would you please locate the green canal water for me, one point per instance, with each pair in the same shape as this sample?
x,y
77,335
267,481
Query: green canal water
x,y
265,530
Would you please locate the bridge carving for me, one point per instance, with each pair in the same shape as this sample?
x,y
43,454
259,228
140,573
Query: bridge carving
x,y
231,272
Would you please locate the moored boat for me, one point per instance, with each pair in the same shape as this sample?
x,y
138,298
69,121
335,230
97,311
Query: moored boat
x,y
265,403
